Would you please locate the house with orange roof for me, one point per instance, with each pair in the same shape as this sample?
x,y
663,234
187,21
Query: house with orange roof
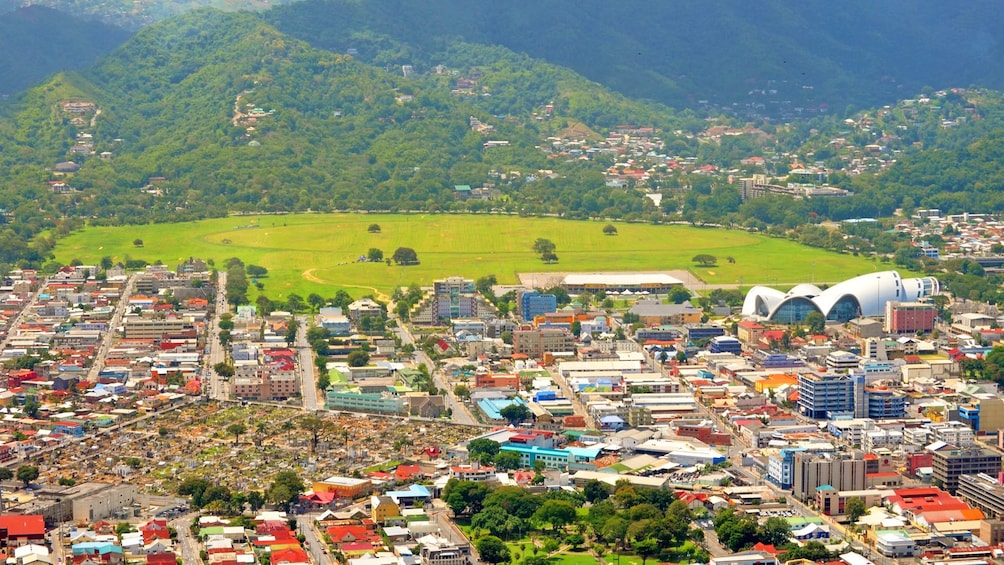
x,y
406,472
290,556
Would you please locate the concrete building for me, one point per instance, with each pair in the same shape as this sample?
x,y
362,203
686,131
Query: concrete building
x,y
535,342
656,313
953,433
813,470
832,502
984,492
451,298
152,328
950,463
909,317
896,544
363,402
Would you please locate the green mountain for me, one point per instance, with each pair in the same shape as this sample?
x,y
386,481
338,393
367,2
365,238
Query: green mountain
x,y
37,41
767,58
213,113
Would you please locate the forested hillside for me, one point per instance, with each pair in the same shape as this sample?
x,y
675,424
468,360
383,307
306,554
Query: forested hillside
x,y
770,57
774,57
212,113
37,41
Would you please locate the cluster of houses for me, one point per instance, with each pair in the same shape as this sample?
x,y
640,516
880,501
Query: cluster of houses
x,y
392,521
89,347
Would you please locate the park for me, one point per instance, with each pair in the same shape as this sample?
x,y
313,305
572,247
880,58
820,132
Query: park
x,y
307,253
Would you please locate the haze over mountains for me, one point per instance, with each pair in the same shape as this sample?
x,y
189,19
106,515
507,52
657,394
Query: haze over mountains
x,y
37,41
773,56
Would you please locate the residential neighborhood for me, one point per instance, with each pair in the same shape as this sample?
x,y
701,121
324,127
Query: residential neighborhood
x,y
844,420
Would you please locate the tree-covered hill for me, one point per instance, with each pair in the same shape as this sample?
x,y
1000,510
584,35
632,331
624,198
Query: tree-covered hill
x,y
213,113
37,41
769,57
772,57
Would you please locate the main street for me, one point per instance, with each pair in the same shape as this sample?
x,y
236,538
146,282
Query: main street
x,y
23,314
216,386
461,415
305,355
312,544
98,362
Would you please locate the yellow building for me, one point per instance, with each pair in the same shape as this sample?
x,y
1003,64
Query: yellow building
x,y
382,508
344,487
775,381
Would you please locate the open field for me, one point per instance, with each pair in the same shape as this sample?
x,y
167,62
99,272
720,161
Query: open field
x,y
307,253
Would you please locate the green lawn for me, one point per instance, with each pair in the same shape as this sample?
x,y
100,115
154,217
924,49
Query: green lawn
x,y
316,253
575,558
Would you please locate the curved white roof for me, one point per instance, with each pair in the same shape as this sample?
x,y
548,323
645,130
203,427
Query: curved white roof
x,y
871,292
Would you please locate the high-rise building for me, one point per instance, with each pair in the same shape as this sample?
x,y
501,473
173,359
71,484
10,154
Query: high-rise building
x,y
451,298
950,463
812,470
826,395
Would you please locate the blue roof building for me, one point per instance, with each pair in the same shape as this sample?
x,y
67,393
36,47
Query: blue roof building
x,y
492,407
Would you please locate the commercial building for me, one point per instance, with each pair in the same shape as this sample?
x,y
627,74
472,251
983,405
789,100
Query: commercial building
x,y
364,402
726,344
343,487
619,283
827,395
950,463
533,304
865,295
885,404
451,298
895,544
535,342
572,458
909,317
983,492
832,502
813,470
151,328
656,313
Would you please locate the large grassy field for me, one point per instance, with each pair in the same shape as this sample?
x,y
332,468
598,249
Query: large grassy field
x,y
317,253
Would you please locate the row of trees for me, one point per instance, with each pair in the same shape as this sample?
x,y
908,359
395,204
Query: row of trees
x,y
648,522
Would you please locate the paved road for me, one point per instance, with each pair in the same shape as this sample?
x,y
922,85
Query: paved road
x,y
23,314
113,324
577,405
314,545
461,415
188,546
216,387
306,369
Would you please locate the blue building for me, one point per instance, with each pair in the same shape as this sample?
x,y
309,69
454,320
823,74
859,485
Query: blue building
x,y
533,304
970,414
697,332
886,403
826,396
726,344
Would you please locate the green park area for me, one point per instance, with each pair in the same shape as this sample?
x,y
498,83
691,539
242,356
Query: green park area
x,y
307,253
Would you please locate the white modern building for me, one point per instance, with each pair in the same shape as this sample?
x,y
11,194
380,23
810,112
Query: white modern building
x,y
865,295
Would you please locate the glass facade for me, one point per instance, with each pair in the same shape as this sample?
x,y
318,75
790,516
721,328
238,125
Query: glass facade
x,y
794,311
